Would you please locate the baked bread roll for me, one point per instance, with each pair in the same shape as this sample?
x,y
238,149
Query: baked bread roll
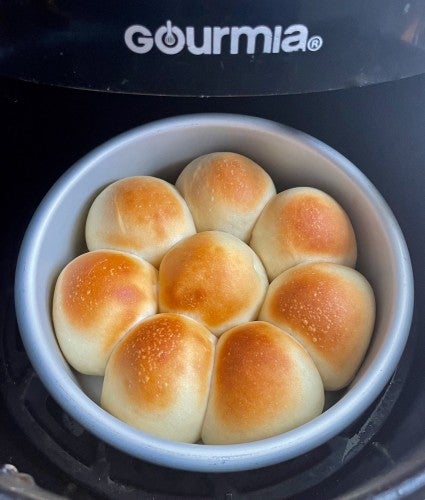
x,y
158,377
214,278
141,214
330,310
98,296
264,383
225,191
303,224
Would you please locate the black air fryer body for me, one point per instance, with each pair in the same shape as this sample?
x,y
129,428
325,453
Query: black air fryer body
x,y
74,75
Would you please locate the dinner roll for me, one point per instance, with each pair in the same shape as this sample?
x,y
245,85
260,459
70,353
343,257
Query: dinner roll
x,y
213,277
264,383
158,377
141,214
97,297
303,224
225,191
330,310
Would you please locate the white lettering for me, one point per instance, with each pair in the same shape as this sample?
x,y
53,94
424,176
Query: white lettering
x,y
297,39
277,36
251,36
206,46
171,39
138,39
218,34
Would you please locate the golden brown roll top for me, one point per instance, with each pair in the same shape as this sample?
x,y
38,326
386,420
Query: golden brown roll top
x,y
213,277
141,214
330,310
158,377
303,224
98,296
225,191
264,383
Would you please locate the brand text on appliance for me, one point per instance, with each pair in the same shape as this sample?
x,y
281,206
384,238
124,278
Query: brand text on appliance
x,y
170,39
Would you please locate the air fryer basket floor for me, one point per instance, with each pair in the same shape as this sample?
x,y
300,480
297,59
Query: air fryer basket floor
x,y
379,128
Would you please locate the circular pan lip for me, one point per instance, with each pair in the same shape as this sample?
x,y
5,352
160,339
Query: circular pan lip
x,y
210,458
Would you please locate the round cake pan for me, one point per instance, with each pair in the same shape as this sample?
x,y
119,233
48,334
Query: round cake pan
x,y
162,148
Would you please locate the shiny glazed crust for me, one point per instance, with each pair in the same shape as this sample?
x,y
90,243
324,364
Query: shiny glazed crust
x,y
279,346
330,310
158,377
264,383
214,278
225,191
98,296
141,214
303,224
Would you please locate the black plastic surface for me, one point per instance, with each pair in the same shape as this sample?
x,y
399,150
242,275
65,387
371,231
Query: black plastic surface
x,y
212,48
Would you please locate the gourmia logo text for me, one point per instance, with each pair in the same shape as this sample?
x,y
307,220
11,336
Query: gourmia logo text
x,y
170,39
